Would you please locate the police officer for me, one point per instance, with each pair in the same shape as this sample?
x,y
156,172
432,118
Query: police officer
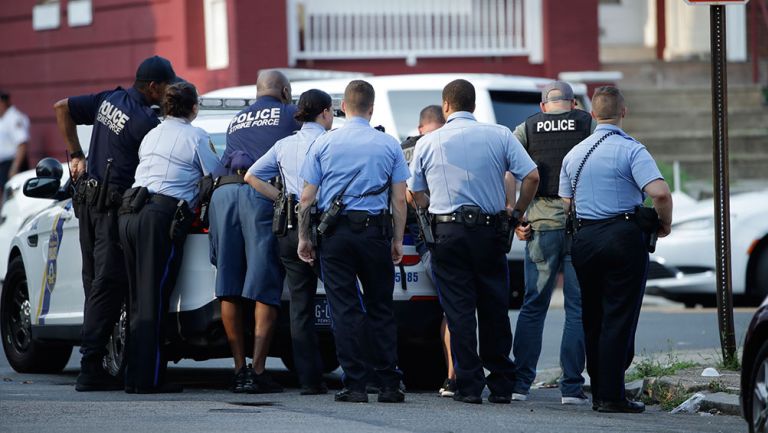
x,y
120,118
359,172
548,136
611,174
463,166
154,219
243,247
285,159
14,135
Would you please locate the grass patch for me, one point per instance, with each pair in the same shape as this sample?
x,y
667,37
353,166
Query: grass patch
x,y
733,364
717,386
655,367
666,396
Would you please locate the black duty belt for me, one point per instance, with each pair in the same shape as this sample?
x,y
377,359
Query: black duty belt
x,y
463,218
620,217
369,220
164,200
226,180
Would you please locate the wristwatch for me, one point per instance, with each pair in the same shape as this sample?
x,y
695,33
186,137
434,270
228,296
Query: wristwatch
x,y
77,154
516,214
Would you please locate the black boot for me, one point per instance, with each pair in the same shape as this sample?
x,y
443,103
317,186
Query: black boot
x,y
93,377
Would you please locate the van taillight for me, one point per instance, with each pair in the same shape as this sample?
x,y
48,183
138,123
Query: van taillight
x,y
410,260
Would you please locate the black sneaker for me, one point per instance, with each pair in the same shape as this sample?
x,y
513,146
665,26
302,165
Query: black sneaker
x,y
350,396
500,399
471,399
93,377
314,390
265,384
625,406
243,380
448,389
391,395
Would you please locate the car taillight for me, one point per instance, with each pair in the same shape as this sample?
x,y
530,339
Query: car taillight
x,y
197,226
423,298
410,260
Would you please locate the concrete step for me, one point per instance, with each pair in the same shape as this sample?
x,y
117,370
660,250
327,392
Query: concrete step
x,y
692,144
699,119
653,73
682,99
742,167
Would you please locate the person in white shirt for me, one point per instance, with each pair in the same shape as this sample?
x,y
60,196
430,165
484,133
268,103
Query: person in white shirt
x,y
14,135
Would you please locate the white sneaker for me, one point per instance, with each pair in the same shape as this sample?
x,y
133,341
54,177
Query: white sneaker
x,y
576,400
519,397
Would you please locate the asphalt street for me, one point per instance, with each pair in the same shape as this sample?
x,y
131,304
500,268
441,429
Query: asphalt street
x,y
35,403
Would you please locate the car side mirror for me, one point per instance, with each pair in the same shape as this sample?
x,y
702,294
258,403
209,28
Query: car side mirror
x,y
41,187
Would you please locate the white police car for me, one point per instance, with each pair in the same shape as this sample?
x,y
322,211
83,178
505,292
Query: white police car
x,y
41,303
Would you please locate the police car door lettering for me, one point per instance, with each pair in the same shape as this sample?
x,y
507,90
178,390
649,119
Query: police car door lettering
x,y
556,125
112,117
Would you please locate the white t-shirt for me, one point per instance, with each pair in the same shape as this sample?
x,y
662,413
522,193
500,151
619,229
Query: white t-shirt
x,y
14,130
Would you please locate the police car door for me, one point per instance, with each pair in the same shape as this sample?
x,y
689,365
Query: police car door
x,y
57,293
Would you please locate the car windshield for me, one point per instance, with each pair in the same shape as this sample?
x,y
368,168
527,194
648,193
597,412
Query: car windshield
x,y
406,106
512,108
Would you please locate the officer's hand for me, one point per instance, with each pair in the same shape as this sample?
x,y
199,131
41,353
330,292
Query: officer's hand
x,y
523,230
306,251
397,251
664,230
76,167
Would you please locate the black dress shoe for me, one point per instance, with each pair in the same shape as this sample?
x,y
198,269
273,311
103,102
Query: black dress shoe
x,y
501,399
471,399
166,388
625,406
98,379
391,395
351,396
314,389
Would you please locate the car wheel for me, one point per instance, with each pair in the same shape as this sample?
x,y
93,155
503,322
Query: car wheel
x,y
761,277
516,284
423,366
757,415
114,361
25,354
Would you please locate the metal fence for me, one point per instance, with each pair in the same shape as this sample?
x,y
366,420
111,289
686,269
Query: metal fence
x,y
358,29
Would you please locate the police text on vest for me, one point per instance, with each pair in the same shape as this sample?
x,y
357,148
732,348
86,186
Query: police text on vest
x,y
112,117
556,125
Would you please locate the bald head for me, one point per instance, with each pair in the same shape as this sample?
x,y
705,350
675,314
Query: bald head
x,y
430,118
273,83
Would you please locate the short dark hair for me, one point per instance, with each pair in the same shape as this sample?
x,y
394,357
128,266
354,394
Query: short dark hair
x,y
607,102
460,94
431,113
311,104
5,97
359,96
180,99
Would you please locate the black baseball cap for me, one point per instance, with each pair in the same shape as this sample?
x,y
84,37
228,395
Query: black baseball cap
x,y
157,69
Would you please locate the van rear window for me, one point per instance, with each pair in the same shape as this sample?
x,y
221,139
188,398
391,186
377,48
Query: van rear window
x,y
512,108
406,106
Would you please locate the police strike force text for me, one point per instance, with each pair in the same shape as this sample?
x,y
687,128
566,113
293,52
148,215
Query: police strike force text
x,y
112,117
265,117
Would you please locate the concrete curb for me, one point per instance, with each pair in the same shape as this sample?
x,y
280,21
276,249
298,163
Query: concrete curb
x,y
724,402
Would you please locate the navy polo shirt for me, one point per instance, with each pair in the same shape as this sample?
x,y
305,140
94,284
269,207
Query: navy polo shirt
x,y
257,128
120,118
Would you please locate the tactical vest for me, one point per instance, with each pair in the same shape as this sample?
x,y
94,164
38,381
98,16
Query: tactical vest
x,y
550,137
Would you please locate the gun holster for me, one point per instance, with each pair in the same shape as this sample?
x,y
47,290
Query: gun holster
x,y
206,185
648,220
182,221
133,200
330,218
425,227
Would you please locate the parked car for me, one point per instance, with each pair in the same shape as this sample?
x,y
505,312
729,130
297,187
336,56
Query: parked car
x,y
683,267
41,303
503,99
754,372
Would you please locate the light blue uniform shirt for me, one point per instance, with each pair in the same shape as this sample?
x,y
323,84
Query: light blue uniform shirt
x,y
613,178
463,163
335,157
172,159
287,155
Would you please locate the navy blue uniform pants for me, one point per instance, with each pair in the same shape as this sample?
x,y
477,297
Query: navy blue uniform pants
x,y
346,256
470,267
611,262
302,283
104,278
153,261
